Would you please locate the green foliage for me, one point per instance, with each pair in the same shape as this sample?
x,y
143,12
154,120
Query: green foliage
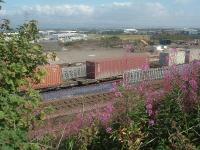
x,y
86,136
70,144
175,128
73,43
12,139
130,132
113,41
104,141
1,1
4,26
175,37
19,57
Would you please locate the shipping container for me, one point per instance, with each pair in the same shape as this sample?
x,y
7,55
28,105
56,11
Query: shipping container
x,y
172,57
73,72
106,68
191,55
135,76
51,79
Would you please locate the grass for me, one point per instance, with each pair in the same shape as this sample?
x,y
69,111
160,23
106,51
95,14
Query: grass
x,y
122,36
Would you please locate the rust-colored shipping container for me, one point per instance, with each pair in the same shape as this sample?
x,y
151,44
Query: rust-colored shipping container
x,y
106,68
51,79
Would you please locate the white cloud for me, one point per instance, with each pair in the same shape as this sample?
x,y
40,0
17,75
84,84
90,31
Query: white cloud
x,y
156,9
2,12
180,13
65,10
129,13
122,4
182,1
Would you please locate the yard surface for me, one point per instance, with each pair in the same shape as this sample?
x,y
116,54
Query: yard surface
x,y
88,50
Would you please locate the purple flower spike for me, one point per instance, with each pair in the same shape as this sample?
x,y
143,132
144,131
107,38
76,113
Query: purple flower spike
x,y
109,130
151,122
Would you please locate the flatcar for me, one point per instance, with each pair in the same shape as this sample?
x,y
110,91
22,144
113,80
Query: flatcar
x,y
57,75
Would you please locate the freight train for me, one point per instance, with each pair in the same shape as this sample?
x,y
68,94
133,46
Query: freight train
x,y
99,70
90,72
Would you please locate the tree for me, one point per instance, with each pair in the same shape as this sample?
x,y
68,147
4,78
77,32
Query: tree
x,y
19,57
1,2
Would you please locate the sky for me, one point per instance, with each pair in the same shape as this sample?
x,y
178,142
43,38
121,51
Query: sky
x,y
104,13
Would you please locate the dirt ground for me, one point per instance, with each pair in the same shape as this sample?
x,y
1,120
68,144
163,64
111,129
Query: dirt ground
x,y
83,51
71,56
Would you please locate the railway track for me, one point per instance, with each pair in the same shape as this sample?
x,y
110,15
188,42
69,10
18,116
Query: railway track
x,y
76,91
64,110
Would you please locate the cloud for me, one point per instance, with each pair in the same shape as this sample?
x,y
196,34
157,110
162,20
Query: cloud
x,y
136,14
180,13
182,1
3,12
65,10
156,9
122,4
118,14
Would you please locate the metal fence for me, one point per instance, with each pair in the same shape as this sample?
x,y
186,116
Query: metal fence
x,y
73,72
135,76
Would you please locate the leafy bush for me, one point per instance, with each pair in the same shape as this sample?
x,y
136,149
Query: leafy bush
x,y
19,57
112,42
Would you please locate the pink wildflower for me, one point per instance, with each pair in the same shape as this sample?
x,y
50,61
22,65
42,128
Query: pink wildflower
x,y
104,118
109,108
145,67
193,84
114,87
150,112
109,130
184,88
151,122
149,106
118,94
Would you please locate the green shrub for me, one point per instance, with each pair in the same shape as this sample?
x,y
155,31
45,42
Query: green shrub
x,y
19,57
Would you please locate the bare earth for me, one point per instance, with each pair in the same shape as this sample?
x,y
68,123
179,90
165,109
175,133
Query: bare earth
x,y
88,54
82,52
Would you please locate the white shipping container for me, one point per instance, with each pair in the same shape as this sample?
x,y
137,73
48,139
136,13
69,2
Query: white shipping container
x,y
192,54
73,72
180,57
172,57
135,76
